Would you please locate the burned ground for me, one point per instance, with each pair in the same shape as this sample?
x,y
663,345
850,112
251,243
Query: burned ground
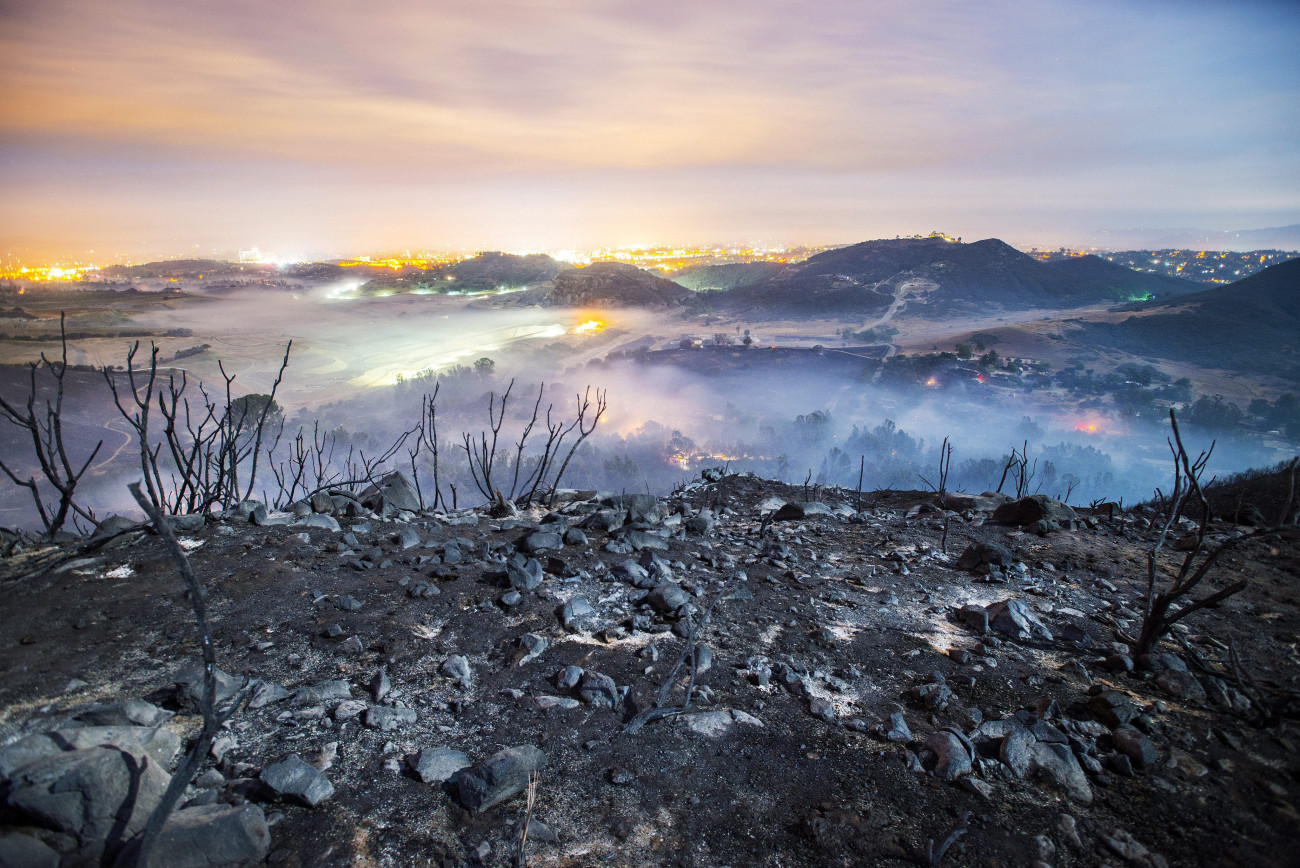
x,y
825,625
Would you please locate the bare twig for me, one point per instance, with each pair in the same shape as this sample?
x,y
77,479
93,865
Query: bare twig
x,y
212,717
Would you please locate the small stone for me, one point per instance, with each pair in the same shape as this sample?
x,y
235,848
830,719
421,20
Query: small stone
x,y
380,685
349,604
1136,746
386,719
457,668
435,765
296,780
578,615
821,709
531,646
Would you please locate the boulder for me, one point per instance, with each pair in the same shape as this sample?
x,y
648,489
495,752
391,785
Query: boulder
x,y
949,753
435,765
1015,619
524,575
1035,508
212,836
189,687
393,493
798,511
101,796
162,745
501,776
297,781
979,554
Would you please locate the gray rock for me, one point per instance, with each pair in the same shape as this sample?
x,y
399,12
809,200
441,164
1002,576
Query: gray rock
x,y
423,590
575,537
1032,509
500,777
114,524
92,794
385,718
162,745
322,503
897,730
531,646
641,540
578,615
974,617
189,687
511,598
212,836
394,493
353,646
638,508
380,685
668,598
540,541
133,712
435,765
568,677
266,692
320,520
952,757
598,690
406,538
1013,618
24,851
297,781
546,703
1136,746
524,576
979,554
457,667
348,603
322,692
699,524
1181,685
188,523
1112,708
822,709
798,511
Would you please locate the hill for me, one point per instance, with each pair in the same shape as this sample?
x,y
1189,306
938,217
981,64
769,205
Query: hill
x,y
712,278
180,269
601,284
1120,281
491,270
1251,325
950,278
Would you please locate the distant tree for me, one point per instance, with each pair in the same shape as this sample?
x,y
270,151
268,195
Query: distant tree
x,y
722,339
990,359
964,351
1215,413
484,367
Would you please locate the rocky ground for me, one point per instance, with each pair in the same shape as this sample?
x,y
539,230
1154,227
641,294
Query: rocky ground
x,y
422,690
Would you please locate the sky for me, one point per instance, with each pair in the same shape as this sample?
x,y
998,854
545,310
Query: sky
x,y
329,127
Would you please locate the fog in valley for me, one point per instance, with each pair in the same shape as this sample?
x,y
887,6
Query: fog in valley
x,y
361,368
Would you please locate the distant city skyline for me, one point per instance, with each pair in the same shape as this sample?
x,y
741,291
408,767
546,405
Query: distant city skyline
x,y
146,128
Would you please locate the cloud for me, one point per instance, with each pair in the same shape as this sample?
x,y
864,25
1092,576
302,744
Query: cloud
x,y
354,104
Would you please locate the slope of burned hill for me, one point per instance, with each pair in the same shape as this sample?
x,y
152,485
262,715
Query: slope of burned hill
x,y
1252,325
832,686
947,277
